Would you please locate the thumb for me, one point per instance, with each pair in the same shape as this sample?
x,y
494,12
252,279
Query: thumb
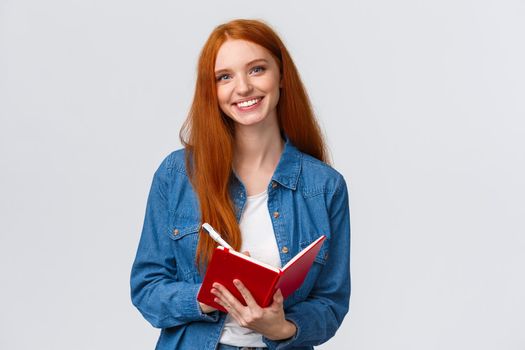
x,y
278,297
246,253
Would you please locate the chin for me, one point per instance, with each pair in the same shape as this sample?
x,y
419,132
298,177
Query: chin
x,y
248,120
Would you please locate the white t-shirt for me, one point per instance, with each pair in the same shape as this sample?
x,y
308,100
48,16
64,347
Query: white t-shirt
x,y
258,238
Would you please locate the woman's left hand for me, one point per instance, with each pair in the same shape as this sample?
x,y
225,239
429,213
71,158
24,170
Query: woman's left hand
x,y
268,321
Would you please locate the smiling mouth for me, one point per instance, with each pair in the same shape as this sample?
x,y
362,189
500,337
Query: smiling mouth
x,y
244,105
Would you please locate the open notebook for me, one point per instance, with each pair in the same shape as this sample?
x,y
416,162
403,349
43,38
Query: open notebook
x,y
261,279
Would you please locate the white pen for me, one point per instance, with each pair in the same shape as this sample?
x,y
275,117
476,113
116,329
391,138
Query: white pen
x,y
216,237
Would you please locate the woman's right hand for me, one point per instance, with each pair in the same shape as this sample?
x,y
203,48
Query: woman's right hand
x,y
206,308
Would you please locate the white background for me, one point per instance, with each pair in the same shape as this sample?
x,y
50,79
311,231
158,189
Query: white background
x,y
422,103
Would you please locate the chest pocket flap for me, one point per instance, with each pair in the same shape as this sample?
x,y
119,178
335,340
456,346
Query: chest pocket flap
x,y
322,256
182,229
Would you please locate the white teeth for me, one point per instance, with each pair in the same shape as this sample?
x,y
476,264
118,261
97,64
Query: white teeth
x,y
248,103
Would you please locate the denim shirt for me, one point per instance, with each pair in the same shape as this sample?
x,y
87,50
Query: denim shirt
x,y
306,199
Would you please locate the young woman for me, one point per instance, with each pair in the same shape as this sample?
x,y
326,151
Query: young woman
x,y
254,166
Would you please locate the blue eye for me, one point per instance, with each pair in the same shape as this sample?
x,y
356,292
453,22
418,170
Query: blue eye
x,y
222,77
258,69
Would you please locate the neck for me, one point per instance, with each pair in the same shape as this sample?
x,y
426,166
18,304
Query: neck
x,y
257,149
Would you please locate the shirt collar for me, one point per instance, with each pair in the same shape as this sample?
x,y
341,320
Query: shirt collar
x,y
289,166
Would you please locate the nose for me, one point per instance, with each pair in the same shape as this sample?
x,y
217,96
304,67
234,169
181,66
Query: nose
x,y
243,86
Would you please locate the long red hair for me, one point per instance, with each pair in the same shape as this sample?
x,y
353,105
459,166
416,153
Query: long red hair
x,y
208,134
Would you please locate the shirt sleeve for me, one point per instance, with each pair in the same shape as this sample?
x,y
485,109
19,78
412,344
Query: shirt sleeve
x,y
319,316
158,294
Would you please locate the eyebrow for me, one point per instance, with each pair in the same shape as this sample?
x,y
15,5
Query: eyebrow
x,y
247,64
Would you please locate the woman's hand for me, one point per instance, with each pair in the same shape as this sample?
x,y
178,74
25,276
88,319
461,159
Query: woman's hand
x,y
206,308
268,321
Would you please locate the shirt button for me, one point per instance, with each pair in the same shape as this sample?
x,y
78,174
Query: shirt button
x,y
274,184
176,231
276,214
284,250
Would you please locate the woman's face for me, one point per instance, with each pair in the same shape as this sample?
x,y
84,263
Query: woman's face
x,y
247,80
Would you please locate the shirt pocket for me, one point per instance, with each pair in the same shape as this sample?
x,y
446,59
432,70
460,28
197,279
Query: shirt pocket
x,y
184,235
315,270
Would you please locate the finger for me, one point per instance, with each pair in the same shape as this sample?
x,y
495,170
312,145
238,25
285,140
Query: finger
x,y
220,299
278,299
224,294
234,313
247,296
223,303
278,296
246,253
205,308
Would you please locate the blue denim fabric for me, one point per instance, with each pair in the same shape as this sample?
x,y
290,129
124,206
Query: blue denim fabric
x,y
311,199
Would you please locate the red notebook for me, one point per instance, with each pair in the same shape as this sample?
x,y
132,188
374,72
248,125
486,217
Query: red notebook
x,y
261,279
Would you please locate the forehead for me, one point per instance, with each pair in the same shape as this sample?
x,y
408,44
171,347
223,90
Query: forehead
x,y
236,53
